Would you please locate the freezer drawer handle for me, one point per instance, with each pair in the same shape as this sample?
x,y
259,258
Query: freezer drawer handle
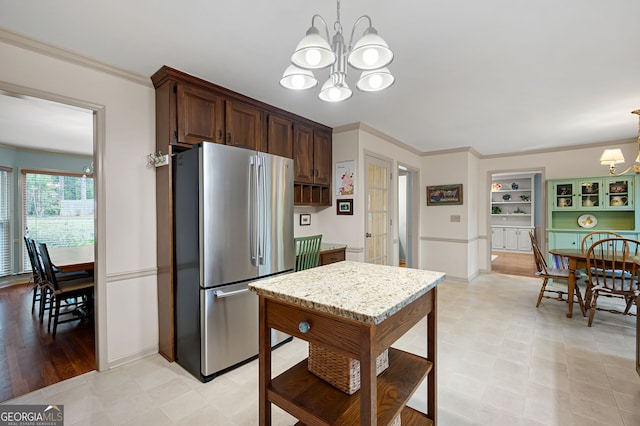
x,y
221,294
304,327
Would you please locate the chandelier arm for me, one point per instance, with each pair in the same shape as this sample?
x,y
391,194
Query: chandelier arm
x,y
326,27
353,30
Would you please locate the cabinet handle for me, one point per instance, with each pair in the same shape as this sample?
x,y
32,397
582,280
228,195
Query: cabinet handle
x,y
229,137
304,327
219,135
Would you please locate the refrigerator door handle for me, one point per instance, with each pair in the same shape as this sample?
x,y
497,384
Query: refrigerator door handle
x,y
221,294
252,208
263,211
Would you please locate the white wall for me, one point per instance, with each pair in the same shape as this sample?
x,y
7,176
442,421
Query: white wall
x,y
127,305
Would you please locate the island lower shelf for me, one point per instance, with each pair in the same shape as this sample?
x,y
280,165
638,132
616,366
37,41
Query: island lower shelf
x,y
303,394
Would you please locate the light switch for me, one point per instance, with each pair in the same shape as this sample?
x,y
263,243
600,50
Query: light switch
x,y
455,218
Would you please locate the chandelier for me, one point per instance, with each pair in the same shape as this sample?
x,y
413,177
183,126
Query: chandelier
x,y
611,157
370,54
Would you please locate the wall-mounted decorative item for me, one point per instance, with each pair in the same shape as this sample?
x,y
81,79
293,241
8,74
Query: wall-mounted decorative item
x,y
344,206
444,195
345,177
305,219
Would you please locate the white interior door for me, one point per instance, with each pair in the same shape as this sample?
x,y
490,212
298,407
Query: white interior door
x,y
378,215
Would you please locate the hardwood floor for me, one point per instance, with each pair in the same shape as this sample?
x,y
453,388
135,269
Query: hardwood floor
x,y
29,358
512,263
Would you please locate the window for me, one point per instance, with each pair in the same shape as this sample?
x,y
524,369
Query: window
x,y
58,209
5,221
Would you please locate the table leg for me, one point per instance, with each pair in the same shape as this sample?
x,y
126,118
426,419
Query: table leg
x,y
572,285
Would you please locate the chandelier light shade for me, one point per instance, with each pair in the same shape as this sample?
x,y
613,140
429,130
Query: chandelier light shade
x,y
295,78
374,80
611,157
313,52
370,54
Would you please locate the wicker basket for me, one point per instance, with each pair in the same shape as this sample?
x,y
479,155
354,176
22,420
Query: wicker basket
x,y
340,371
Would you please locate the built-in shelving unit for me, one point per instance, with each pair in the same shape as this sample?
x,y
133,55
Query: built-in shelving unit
x,y
581,205
512,211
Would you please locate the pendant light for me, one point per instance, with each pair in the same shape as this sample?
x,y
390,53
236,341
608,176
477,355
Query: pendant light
x,y
370,54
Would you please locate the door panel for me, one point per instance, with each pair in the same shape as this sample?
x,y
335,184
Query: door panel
x,y
322,157
303,153
244,125
378,215
280,136
276,218
200,115
227,214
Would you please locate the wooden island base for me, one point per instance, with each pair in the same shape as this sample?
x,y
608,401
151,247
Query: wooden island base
x,y
380,398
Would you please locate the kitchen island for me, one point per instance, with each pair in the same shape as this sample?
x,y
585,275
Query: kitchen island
x,y
356,310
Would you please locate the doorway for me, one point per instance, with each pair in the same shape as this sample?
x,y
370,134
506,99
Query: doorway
x,y
408,215
515,210
32,359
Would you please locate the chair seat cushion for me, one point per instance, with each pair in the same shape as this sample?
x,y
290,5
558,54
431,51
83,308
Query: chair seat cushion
x,y
74,285
609,272
616,284
559,272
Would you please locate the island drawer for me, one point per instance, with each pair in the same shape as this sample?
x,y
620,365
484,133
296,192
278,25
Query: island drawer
x,y
336,333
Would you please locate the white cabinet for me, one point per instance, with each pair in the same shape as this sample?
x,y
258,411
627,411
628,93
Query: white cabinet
x,y
509,238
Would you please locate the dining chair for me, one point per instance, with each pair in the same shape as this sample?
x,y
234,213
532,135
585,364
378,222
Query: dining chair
x,y
618,257
76,294
595,236
307,252
555,274
36,277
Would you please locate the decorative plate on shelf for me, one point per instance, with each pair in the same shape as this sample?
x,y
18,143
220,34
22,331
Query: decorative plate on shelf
x,y
587,221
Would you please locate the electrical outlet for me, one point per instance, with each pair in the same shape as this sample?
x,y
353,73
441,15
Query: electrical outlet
x,y
455,218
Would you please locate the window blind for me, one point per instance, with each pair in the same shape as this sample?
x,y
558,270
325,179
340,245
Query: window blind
x,y
58,209
5,221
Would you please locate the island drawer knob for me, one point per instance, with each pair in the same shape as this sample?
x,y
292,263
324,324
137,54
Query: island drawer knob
x,y
303,327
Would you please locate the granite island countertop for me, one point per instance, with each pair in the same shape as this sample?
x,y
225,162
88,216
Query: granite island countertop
x,y
360,291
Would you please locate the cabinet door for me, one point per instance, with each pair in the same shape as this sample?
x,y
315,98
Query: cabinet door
x,y
322,157
568,240
243,125
563,195
524,242
497,238
511,239
618,193
200,115
590,194
303,153
280,136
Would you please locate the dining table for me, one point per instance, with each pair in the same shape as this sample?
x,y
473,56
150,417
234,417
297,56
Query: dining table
x,y
73,259
577,259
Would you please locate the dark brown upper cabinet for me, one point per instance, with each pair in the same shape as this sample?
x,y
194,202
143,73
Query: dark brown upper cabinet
x,y
279,136
244,125
200,115
311,155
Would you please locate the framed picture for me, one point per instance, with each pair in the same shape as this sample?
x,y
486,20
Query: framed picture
x,y
344,206
444,195
345,177
305,219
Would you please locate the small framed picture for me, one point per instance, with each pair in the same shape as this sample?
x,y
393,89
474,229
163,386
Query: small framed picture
x,y
305,219
443,195
344,206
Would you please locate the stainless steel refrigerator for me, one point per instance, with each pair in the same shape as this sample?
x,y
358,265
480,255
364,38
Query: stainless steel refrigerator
x,y
233,225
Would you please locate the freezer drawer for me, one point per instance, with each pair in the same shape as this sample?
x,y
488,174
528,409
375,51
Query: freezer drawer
x,y
229,327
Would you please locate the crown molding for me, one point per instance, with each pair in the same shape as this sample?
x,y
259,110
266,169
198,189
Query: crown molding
x,y
24,42
375,132
561,148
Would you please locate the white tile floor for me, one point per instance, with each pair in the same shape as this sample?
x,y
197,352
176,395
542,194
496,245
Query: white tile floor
x,y
501,362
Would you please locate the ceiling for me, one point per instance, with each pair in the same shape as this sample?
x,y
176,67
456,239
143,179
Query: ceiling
x,y
500,76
